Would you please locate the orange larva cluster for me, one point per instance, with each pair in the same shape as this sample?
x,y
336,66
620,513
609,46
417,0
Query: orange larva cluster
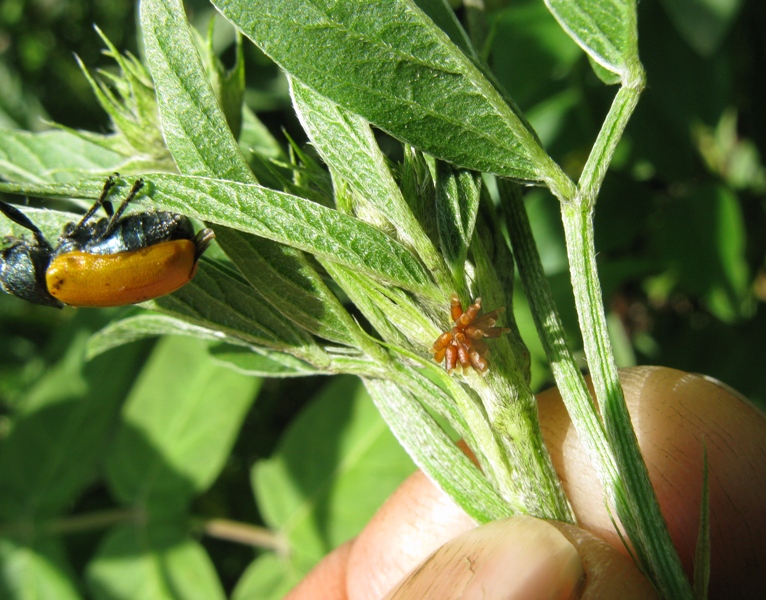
x,y
463,344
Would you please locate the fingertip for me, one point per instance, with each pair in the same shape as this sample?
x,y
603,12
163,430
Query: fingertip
x,y
415,520
608,573
327,580
510,559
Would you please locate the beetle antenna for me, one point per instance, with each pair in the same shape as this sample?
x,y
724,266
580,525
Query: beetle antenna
x,y
18,217
108,185
139,183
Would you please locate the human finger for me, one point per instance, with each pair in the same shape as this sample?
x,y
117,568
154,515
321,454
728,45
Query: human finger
x,y
672,413
523,558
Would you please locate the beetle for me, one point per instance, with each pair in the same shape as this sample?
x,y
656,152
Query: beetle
x,y
110,261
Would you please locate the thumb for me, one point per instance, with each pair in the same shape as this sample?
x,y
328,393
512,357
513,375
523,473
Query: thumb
x,y
523,557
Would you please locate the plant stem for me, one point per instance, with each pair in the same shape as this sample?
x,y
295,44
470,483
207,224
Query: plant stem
x,y
640,506
512,412
606,143
653,544
224,529
242,533
90,521
570,381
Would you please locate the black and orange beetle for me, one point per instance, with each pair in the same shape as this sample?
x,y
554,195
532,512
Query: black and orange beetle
x,y
463,345
111,261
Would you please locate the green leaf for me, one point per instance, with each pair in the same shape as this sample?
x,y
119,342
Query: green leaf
x,y
268,577
38,570
729,296
258,362
366,298
434,452
495,268
703,23
130,102
718,271
604,74
53,156
605,29
262,151
178,425
256,138
331,471
219,301
152,562
527,47
19,107
348,146
243,358
389,63
285,278
444,17
417,185
198,137
393,313
228,85
295,222
141,326
195,128
457,201
58,434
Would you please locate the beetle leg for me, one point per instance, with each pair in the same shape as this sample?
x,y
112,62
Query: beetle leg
x,y
18,217
202,240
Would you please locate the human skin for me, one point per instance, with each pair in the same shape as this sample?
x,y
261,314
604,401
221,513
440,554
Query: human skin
x,y
524,557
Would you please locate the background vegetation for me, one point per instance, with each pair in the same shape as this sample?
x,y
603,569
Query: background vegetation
x,y
679,230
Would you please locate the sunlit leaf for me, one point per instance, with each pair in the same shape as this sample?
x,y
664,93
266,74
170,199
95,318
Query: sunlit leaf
x,y
389,63
605,29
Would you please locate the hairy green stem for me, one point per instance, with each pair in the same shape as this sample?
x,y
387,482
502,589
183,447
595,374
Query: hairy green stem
x,y
550,329
512,411
606,143
636,502
654,544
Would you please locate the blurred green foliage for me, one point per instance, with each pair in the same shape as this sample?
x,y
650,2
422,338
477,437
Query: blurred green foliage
x,y
680,218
